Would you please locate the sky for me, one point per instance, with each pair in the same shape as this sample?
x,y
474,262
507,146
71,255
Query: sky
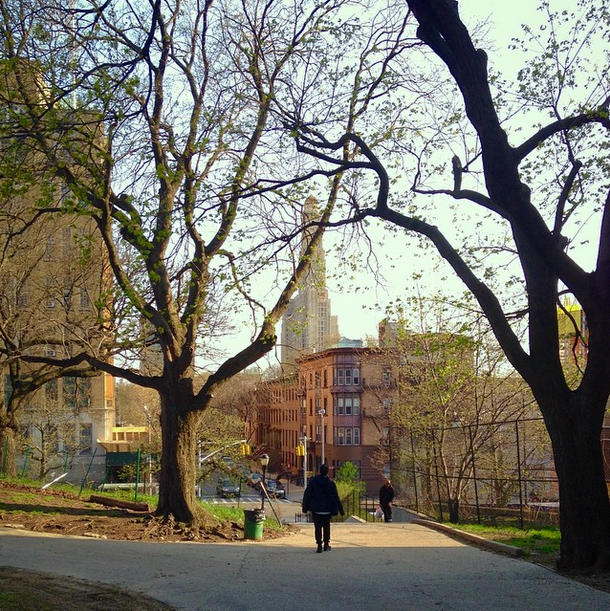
x,y
360,309
361,303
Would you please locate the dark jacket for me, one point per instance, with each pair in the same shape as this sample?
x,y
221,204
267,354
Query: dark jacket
x,y
386,495
321,496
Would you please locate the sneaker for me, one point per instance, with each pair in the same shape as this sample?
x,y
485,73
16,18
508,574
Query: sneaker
x,y
319,550
327,548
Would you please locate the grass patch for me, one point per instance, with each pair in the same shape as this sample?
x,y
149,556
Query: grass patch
x,y
226,513
10,602
539,544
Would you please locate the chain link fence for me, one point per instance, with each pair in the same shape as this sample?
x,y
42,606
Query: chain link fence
x,y
484,472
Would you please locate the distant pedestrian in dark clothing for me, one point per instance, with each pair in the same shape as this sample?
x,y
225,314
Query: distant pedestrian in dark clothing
x,y
386,496
322,499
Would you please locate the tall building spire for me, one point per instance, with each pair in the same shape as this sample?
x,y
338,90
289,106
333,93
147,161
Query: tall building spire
x,y
307,325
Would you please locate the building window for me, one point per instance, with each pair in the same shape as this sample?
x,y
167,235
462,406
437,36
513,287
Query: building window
x,y
76,393
386,377
66,242
50,391
49,300
348,406
84,299
347,436
85,439
340,377
67,292
49,252
325,378
347,376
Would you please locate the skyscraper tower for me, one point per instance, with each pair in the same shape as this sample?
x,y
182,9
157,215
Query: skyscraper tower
x,y
307,325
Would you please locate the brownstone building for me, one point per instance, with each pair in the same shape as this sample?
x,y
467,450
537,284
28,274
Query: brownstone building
x,y
335,408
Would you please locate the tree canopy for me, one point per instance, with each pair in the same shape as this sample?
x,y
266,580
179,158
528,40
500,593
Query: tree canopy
x,y
164,123
521,200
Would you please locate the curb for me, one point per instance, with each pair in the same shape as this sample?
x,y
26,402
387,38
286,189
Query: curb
x,y
496,546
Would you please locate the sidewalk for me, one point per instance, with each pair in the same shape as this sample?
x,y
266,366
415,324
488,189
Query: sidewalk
x,y
405,567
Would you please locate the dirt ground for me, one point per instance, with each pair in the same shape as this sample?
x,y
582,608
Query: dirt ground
x,y
63,513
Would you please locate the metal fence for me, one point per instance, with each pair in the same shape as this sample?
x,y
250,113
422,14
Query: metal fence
x,y
354,504
483,473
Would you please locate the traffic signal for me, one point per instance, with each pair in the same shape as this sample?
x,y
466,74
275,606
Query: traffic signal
x,y
300,450
245,449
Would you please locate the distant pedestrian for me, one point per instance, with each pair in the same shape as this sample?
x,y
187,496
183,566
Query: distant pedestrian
x,y
322,499
386,496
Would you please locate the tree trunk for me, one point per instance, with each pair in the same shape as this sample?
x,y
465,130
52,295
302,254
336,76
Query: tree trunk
x,y
178,462
454,510
583,495
8,468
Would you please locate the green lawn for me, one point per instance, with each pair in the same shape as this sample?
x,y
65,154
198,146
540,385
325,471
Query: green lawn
x,y
540,544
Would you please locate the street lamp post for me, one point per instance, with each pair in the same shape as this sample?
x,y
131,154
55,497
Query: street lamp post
x,y
322,412
264,464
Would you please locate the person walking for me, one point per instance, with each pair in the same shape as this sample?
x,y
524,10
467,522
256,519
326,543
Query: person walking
x,y
386,496
322,499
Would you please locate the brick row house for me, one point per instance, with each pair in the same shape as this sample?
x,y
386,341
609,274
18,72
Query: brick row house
x,y
338,400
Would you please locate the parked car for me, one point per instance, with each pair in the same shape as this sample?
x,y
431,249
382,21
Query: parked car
x,y
280,491
228,460
242,471
275,489
227,487
271,486
255,479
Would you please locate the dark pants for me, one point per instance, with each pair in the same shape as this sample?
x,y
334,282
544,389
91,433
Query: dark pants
x,y
387,512
321,522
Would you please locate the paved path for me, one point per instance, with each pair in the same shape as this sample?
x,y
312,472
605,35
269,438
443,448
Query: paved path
x,y
372,567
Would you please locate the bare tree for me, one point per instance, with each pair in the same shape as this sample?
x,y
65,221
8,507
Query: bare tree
x,y
160,119
538,218
451,398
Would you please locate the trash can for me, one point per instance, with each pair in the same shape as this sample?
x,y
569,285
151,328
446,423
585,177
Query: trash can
x,y
253,523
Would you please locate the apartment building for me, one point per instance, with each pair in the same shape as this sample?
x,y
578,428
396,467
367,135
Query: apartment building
x,y
334,408
55,287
